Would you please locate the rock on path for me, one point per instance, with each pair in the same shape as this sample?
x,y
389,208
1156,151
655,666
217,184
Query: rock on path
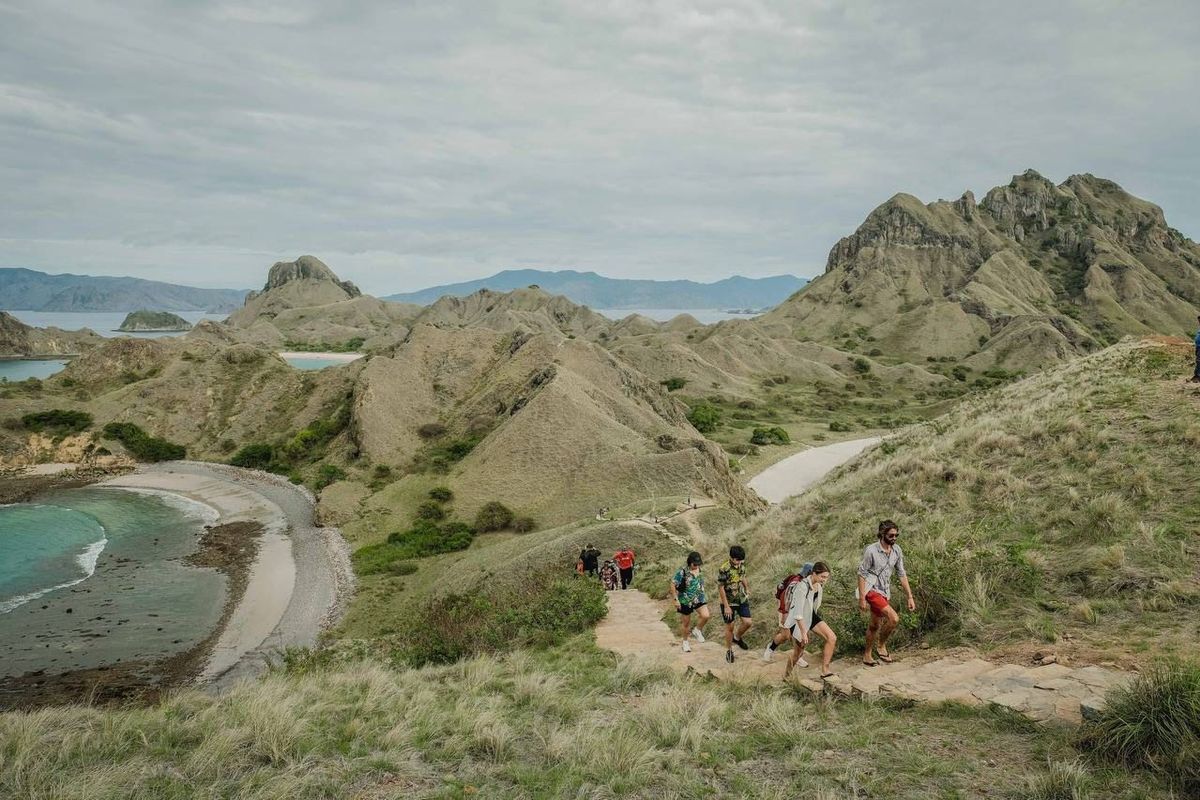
x,y
634,627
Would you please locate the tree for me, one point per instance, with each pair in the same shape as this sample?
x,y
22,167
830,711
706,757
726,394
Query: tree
x,y
493,516
705,417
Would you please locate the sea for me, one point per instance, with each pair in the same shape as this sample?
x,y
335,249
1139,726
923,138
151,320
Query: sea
x,y
95,576
705,315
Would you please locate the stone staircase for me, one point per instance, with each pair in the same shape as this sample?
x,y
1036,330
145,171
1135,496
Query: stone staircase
x,y
634,627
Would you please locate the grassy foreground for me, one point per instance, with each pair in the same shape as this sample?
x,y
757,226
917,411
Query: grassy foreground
x,y
566,722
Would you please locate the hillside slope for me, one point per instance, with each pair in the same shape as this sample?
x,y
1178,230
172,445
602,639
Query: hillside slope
x,y
1031,275
1057,510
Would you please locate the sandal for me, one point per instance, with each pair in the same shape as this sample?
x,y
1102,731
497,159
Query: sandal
x,y
828,675
870,663
886,658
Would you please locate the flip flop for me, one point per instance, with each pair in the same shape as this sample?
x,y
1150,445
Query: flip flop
x,y
828,675
886,659
870,663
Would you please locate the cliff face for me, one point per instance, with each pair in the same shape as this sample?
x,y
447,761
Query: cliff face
x,y
1031,274
138,321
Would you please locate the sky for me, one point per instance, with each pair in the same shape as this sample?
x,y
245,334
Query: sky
x,y
408,144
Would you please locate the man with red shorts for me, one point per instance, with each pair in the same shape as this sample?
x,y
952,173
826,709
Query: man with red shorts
x,y
879,561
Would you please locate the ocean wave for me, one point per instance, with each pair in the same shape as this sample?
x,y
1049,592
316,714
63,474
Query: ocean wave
x,y
87,561
185,505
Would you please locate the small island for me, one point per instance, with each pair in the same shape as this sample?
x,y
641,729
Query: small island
x,y
154,322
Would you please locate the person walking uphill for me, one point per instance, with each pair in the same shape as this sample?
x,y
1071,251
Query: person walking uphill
x,y
590,557
804,619
625,560
688,586
735,599
879,561
1196,372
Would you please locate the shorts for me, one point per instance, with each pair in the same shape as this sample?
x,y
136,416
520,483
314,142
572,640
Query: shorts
x,y
742,610
795,629
878,603
686,610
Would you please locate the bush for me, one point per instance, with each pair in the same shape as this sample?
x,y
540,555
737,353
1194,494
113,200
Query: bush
x,y
431,430
674,384
431,509
862,366
1154,723
253,456
57,421
523,524
141,445
770,436
329,473
494,516
545,608
705,417
424,538
839,427
441,494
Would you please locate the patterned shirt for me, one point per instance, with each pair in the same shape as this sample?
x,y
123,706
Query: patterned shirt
x,y
877,567
733,578
693,590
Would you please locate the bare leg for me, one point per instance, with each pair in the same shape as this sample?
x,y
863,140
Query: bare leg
x,y
886,628
742,628
825,632
687,625
704,615
793,658
872,632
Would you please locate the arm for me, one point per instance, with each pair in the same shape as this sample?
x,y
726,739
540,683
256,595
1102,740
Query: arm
x,y
902,573
863,571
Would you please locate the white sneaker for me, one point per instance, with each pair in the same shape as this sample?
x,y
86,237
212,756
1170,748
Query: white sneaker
x,y
768,654
687,648
697,635
801,662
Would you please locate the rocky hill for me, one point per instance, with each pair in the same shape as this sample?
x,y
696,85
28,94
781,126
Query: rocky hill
x,y
21,340
598,291
36,291
1031,275
148,321
304,302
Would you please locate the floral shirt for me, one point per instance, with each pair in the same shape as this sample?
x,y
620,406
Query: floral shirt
x,y
693,590
733,579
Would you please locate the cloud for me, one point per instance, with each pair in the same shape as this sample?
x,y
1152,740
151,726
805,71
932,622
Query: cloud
x,y
410,144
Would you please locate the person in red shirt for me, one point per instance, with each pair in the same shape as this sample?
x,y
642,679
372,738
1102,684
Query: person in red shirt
x,y
625,560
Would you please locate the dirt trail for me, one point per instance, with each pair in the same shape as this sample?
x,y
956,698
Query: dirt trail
x,y
634,628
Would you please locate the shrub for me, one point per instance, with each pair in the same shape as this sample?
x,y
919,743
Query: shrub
x,y
441,494
1153,723
424,538
58,421
329,473
402,568
431,430
705,417
839,427
523,524
862,366
774,435
494,516
674,384
959,373
253,456
141,445
431,509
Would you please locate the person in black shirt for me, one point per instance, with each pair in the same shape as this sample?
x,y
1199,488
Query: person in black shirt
x,y
590,557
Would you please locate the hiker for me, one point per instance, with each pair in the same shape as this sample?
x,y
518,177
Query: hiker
x,y
735,599
1196,372
803,619
688,586
579,568
875,587
624,560
590,557
608,576
783,595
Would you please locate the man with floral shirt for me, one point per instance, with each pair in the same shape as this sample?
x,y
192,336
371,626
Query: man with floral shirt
x,y
735,599
688,586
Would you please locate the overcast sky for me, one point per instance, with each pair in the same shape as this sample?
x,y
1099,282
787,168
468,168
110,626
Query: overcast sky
x,y
410,144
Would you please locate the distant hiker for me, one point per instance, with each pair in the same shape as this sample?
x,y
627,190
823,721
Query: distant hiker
x,y
688,586
783,596
624,560
803,619
608,575
875,587
590,557
1196,372
579,567
735,599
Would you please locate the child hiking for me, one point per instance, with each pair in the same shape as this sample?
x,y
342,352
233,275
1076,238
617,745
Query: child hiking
x,y
803,619
879,561
688,586
735,599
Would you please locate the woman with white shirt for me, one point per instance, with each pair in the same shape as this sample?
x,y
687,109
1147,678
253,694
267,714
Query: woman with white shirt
x,y
803,619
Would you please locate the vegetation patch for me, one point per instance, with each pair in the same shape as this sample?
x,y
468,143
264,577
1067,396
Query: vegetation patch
x,y
57,421
143,446
773,435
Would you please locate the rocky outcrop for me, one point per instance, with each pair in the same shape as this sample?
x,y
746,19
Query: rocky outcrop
x,y
306,268
19,340
153,321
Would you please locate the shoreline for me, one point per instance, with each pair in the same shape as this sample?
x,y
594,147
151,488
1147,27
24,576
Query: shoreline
x,y
344,357
287,580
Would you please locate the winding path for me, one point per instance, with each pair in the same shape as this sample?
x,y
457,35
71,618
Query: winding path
x,y
794,474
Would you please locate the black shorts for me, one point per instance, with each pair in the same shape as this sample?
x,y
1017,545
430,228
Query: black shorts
x,y
686,610
742,610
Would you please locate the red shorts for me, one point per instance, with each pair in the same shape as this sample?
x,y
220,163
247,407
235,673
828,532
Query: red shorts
x,y
878,603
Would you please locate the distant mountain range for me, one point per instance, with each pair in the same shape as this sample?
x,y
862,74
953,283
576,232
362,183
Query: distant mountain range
x,y
597,291
29,290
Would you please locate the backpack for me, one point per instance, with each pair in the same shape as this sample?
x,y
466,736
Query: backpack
x,y
681,587
781,589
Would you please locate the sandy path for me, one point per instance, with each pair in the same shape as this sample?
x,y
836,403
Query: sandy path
x,y
796,473
301,576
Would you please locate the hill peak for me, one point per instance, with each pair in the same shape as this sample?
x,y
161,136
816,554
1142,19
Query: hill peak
x,y
306,268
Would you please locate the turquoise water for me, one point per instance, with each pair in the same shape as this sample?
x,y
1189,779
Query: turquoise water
x,y
314,363
96,576
13,369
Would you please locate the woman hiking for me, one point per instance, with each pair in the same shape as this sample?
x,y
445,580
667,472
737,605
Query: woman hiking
x,y
803,620
688,586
